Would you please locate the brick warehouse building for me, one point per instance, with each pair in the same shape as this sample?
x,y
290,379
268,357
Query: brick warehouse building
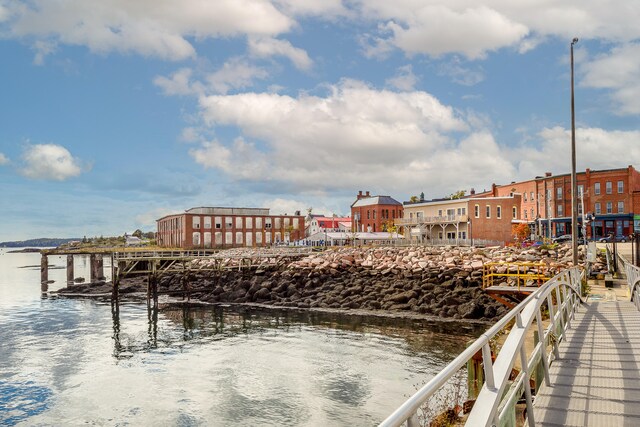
x,y
218,227
611,196
373,213
462,221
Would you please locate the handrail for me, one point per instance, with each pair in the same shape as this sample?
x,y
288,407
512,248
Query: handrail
x,y
633,280
486,410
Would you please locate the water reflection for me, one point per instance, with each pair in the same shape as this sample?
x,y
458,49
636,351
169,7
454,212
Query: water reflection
x,y
219,322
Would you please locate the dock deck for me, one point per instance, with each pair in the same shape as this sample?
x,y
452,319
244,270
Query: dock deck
x,y
596,380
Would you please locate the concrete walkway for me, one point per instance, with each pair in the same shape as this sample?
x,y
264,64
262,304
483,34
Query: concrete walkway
x,y
596,381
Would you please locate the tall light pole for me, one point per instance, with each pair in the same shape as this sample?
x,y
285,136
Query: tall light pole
x,y
574,184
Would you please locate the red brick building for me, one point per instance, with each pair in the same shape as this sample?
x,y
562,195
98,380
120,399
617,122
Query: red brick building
x,y
610,197
373,213
216,227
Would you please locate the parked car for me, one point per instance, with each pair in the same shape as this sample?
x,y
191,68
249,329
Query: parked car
x,y
607,239
561,239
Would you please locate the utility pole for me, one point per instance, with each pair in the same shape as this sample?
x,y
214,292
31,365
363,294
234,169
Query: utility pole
x,y
574,185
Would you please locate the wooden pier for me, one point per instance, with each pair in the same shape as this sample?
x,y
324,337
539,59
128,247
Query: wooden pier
x,y
155,264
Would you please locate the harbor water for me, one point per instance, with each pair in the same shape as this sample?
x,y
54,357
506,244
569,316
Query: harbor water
x,y
86,362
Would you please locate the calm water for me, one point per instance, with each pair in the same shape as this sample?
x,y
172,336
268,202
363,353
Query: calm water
x,y
71,362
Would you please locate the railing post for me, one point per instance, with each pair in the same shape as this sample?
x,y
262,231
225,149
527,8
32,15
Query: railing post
x,y
543,342
527,387
552,317
488,366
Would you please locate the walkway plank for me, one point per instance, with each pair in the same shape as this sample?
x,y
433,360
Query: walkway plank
x,y
596,380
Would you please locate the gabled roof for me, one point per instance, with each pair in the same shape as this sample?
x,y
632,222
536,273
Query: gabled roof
x,y
375,200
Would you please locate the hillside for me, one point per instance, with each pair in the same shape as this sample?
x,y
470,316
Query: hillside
x,y
42,242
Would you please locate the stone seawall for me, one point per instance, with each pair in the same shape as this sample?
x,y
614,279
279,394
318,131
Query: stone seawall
x,y
444,282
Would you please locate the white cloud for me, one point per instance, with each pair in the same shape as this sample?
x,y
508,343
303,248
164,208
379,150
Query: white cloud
x,y
3,159
236,73
344,139
325,8
436,29
460,74
466,27
553,151
43,48
265,47
618,71
179,83
50,162
404,79
158,28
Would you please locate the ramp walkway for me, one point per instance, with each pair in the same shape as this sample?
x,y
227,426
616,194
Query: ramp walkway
x,y
596,379
583,369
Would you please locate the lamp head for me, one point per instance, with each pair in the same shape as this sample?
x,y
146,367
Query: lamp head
x,y
574,41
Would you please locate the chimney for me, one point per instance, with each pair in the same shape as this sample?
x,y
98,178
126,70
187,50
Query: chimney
x,y
547,174
359,194
367,194
472,191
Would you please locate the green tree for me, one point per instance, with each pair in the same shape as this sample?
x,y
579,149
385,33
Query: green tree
x,y
414,199
137,233
458,194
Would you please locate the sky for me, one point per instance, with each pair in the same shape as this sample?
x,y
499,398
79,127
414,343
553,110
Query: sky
x,y
114,113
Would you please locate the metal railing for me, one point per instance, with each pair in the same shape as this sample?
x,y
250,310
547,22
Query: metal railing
x,y
417,220
522,272
493,405
633,280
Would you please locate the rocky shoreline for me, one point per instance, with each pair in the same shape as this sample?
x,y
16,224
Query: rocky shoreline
x,y
441,282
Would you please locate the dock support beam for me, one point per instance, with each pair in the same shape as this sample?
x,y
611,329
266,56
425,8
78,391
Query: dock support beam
x,y
70,272
92,268
44,269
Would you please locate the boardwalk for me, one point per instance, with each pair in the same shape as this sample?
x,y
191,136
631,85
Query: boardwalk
x,y
596,381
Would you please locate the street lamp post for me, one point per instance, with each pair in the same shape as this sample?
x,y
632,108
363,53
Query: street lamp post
x,y
574,185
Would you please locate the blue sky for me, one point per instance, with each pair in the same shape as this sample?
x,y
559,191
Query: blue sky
x,y
114,113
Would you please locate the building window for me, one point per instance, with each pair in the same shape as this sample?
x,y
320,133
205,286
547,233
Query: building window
x,y
559,193
278,225
196,222
238,237
228,222
514,212
559,211
476,211
239,222
609,207
620,207
596,188
609,187
267,224
207,223
374,214
597,208
620,187
488,211
248,222
259,222
579,208
368,214
462,235
525,214
499,212
580,190
531,196
525,196
218,222
439,212
196,238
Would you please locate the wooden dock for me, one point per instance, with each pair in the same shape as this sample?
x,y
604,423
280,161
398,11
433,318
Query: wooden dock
x,y
154,264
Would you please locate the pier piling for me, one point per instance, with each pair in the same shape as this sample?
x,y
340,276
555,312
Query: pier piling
x,y
44,269
70,272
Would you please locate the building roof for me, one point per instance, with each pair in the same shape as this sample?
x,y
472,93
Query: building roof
x,y
375,200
